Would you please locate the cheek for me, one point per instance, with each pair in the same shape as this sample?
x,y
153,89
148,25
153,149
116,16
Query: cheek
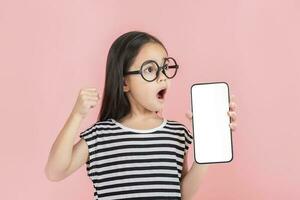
x,y
143,93
139,88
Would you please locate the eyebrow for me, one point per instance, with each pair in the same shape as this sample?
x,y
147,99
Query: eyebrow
x,y
163,59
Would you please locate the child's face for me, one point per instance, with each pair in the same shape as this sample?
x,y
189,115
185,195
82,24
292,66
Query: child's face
x,y
141,93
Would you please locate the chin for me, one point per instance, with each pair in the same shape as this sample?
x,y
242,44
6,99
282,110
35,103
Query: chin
x,y
154,107
159,109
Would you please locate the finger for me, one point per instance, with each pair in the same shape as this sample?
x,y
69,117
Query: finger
x,y
232,106
91,98
189,115
233,126
232,114
232,97
90,89
91,103
88,93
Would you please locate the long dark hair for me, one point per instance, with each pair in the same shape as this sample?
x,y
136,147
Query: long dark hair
x,y
121,55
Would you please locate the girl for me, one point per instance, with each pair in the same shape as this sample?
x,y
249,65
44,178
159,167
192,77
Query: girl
x,y
131,152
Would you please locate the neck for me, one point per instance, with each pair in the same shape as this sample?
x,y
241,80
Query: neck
x,y
139,113
133,116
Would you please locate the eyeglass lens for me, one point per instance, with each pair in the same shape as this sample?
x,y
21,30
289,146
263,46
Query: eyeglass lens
x,y
149,69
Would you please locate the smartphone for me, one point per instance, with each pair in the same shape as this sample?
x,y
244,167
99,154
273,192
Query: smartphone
x,y
211,130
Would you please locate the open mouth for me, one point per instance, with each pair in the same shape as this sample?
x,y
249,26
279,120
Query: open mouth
x,y
161,94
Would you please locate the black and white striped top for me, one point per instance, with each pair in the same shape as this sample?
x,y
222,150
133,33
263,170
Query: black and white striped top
x,y
126,163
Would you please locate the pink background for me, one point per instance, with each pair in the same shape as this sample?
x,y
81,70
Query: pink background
x,y
51,49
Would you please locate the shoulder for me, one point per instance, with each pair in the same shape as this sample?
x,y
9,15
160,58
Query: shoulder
x,y
177,124
96,127
174,124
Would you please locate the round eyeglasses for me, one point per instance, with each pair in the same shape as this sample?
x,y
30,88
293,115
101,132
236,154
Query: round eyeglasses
x,y
150,69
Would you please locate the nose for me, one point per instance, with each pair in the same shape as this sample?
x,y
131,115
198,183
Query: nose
x,y
161,76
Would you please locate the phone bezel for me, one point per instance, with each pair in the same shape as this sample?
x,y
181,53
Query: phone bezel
x,y
191,92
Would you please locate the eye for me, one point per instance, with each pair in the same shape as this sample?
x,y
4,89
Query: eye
x,y
149,69
166,66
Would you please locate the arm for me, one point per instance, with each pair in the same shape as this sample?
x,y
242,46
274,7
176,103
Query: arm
x,y
191,179
64,158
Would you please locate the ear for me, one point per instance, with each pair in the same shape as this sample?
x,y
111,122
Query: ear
x,y
125,85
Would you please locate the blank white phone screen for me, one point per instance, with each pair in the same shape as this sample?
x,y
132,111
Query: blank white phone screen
x,y
212,134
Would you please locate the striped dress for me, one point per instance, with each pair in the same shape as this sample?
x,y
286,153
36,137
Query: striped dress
x,y
132,164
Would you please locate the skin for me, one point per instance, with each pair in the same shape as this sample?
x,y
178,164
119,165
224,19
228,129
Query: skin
x,y
142,94
192,178
144,103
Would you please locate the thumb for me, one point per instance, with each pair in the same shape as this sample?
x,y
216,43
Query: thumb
x,y
189,114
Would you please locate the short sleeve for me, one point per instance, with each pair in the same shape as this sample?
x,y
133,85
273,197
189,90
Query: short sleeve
x,y
88,133
90,137
188,138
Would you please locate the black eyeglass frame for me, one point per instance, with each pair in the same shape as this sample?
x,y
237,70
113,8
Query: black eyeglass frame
x,y
176,66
